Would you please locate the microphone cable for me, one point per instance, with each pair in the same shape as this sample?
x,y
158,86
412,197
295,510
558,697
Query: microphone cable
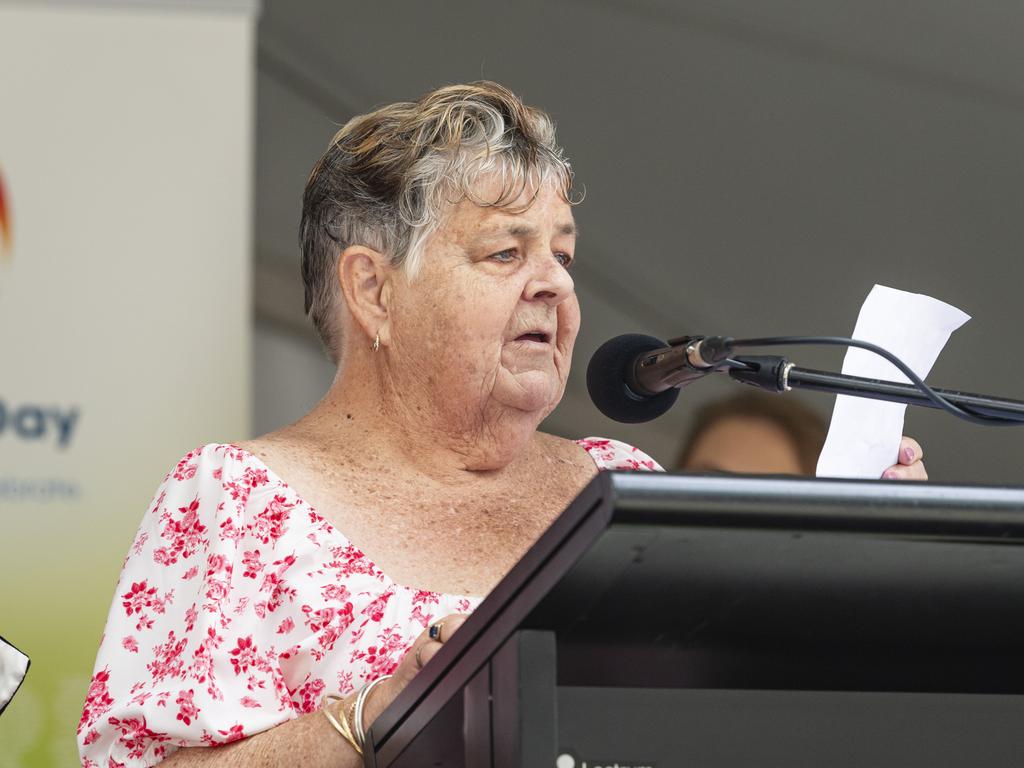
x,y
721,347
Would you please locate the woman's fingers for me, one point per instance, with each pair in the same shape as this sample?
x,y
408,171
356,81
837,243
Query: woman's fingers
x,y
908,464
426,652
442,629
910,451
915,471
428,644
435,636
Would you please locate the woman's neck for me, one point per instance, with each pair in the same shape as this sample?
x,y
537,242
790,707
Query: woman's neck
x,y
361,417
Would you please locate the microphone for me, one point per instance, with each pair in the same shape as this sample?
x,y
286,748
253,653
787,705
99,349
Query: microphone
x,y
635,378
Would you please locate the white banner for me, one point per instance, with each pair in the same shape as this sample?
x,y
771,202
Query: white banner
x,y
125,175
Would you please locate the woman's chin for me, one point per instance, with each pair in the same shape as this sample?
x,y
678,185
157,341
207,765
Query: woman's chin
x,y
532,392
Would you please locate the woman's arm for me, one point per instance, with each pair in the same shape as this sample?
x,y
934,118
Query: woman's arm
x,y
310,740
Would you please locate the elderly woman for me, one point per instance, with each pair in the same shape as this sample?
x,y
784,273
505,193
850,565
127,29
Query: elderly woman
x,y
275,585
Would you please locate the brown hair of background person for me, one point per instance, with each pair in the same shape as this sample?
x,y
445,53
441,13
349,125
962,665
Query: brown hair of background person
x,y
754,433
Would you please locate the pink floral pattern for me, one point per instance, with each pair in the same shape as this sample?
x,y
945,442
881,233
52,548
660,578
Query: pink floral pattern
x,y
239,606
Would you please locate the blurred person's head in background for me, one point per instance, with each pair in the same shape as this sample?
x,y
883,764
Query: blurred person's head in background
x,y
754,433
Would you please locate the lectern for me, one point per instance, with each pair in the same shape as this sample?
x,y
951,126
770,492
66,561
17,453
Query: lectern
x,y
701,620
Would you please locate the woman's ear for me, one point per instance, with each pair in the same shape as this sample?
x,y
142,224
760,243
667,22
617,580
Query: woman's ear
x,y
364,276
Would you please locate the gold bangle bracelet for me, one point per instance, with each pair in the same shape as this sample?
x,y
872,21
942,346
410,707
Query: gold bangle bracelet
x,y
349,716
341,727
358,726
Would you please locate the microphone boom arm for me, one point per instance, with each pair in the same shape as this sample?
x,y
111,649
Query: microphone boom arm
x,y
777,374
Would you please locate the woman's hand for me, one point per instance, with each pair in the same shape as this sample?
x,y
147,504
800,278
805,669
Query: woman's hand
x,y
909,465
421,652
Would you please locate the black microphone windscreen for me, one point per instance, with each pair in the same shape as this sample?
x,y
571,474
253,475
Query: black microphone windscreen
x,y
607,376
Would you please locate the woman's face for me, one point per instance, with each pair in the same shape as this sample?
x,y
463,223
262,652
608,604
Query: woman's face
x,y
489,322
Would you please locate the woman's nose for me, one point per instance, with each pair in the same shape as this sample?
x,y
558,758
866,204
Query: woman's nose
x,y
550,282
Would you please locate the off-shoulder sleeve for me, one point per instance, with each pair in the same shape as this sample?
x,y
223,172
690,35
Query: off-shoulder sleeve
x,y
189,656
613,454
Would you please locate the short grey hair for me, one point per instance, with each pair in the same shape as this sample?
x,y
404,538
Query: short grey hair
x,y
388,177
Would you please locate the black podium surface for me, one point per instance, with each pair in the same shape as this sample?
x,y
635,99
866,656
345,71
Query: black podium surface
x,y
697,620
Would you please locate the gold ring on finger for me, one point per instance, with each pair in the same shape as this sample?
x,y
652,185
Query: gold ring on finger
x,y
434,633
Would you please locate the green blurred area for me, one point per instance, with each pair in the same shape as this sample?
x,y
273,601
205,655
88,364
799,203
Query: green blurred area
x,y
55,615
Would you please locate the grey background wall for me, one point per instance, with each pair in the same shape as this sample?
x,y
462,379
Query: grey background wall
x,y
750,168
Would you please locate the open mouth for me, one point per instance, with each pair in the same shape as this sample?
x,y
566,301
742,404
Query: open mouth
x,y
537,336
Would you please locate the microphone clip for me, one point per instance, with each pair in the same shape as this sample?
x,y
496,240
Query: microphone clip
x,y
766,372
705,352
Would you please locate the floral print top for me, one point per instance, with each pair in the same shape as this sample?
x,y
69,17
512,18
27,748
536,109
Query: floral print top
x,y
239,607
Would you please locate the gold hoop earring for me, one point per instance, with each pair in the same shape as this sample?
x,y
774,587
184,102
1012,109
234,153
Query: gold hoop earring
x,y
376,343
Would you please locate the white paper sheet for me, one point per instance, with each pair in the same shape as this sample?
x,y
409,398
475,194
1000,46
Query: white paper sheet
x,y
864,436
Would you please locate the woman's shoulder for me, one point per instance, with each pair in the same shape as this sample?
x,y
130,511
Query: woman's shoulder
x,y
615,454
213,492
203,471
270,450
603,452
216,466
288,454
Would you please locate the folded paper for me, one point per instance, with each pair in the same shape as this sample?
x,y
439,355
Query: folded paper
x,y
864,436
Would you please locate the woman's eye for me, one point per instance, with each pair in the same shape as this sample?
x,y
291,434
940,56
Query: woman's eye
x,y
504,256
565,259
